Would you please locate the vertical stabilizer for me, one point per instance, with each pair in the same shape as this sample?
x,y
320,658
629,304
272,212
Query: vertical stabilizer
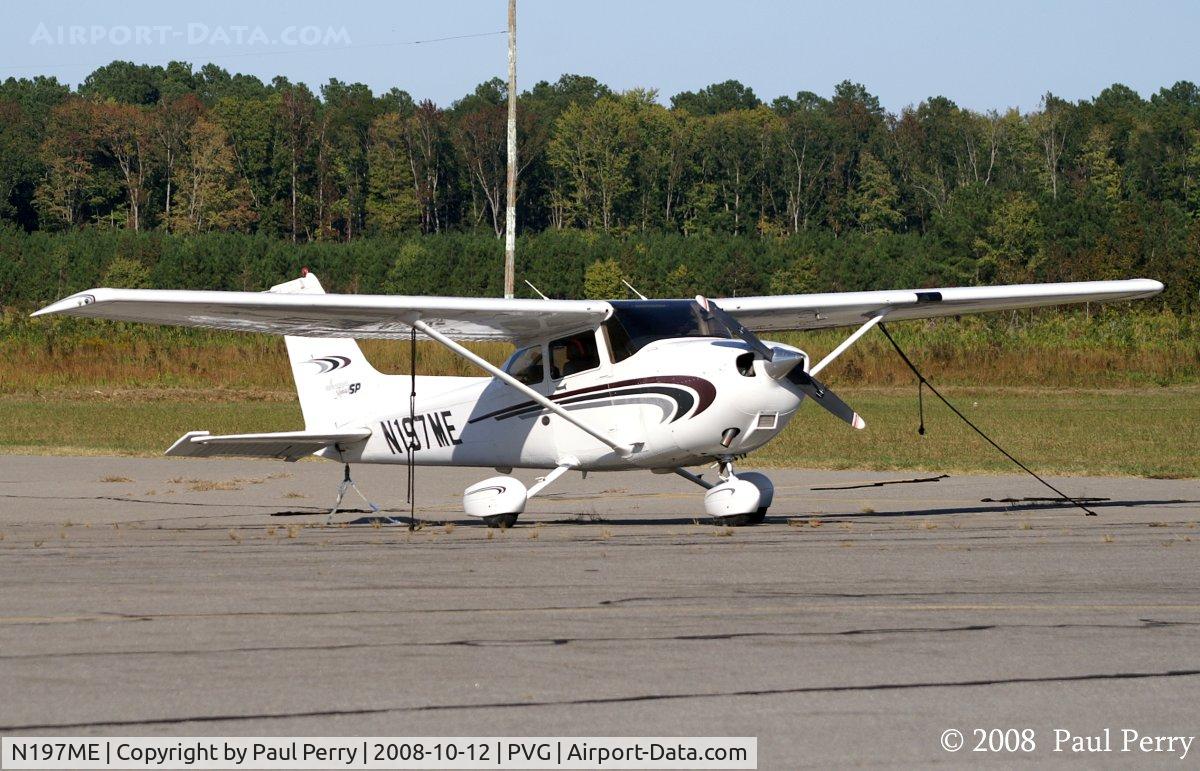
x,y
333,378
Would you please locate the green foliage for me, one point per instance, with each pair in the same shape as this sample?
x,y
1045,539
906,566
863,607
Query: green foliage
x,y
40,267
602,280
875,199
716,99
799,277
126,273
1012,243
592,149
718,192
391,203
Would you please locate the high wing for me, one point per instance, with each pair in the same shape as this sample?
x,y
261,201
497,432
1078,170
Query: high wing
x,y
840,309
286,445
465,318
338,315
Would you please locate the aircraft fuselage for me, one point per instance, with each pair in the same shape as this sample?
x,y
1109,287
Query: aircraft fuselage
x,y
673,402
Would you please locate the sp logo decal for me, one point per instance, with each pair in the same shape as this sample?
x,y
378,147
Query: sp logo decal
x,y
329,363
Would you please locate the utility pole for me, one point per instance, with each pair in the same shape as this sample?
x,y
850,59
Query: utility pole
x,y
510,215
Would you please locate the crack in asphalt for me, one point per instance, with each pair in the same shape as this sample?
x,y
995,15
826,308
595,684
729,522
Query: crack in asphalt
x,y
1144,624
636,698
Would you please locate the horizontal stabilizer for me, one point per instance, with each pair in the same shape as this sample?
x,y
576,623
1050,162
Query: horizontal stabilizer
x,y
286,445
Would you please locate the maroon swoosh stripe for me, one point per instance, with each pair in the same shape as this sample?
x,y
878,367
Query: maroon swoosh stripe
x,y
705,390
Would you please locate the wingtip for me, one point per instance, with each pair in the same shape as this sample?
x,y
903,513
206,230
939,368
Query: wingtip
x,y
65,304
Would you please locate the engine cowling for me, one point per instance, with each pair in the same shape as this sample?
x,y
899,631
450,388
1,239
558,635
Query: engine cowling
x,y
497,495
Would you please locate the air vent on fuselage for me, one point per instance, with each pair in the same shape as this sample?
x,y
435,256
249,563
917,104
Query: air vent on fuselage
x,y
745,364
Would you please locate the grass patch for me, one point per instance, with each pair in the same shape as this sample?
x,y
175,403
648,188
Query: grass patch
x,y
130,426
208,485
1146,433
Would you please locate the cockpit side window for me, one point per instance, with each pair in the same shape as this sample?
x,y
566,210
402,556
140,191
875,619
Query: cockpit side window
x,y
526,365
574,354
618,340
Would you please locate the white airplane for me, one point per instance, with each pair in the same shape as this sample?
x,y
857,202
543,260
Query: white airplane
x,y
660,385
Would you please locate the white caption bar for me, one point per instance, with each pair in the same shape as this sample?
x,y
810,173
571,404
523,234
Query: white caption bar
x,y
380,752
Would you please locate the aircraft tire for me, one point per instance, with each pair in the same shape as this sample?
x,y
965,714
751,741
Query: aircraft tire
x,y
742,520
502,521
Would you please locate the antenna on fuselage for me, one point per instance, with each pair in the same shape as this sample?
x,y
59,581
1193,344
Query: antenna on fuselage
x,y
534,288
631,289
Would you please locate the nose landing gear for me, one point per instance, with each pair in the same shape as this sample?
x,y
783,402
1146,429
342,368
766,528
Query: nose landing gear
x,y
766,495
738,499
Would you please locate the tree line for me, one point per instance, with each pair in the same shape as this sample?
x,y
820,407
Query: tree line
x,y
855,194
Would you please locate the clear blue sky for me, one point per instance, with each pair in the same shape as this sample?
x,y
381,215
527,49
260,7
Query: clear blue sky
x,y
980,54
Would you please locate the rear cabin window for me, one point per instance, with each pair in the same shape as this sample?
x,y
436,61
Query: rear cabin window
x,y
526,365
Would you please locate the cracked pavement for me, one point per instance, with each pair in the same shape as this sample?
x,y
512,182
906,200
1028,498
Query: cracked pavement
x,y
198,597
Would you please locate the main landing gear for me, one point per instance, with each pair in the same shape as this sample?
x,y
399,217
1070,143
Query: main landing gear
x,y
498,501
738,499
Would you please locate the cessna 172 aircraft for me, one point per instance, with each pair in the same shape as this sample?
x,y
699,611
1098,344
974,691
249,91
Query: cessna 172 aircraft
x,y
659,385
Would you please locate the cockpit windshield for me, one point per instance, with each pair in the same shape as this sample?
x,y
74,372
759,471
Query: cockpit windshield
x,y
637,323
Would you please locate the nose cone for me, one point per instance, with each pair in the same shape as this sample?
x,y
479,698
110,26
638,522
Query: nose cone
x,y
783,362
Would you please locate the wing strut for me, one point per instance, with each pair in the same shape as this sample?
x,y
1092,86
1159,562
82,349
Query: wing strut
x,y
623,450
849,341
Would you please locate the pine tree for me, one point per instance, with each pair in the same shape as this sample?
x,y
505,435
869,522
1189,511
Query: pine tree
x,y
875,198
1103,174
602,280
391,202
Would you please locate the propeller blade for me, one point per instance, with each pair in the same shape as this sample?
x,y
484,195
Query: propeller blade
x,y
735,326
822,396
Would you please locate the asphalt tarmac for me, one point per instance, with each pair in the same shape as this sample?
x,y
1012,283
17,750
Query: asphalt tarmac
x,y
204,597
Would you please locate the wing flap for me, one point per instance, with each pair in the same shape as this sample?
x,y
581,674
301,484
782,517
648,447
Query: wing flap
x,y
286,445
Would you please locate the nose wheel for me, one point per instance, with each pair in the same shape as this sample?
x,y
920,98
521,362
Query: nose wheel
x,y
502,521
742,520
737,500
